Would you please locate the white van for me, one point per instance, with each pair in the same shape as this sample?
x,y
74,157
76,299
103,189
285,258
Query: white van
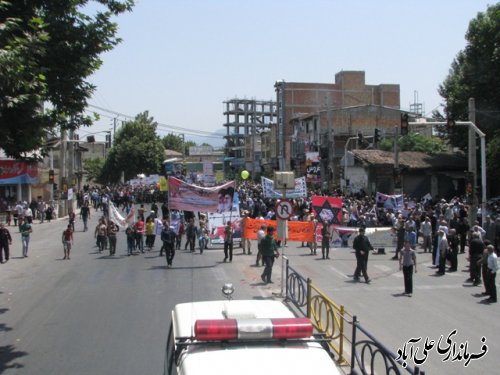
x,y
244,337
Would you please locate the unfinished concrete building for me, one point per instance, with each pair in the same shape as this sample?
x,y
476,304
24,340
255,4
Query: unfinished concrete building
x,y
246,119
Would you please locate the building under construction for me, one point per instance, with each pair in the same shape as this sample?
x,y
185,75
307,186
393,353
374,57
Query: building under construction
x,y
246,120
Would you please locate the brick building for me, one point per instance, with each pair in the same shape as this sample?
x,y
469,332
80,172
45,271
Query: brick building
x,y
315,116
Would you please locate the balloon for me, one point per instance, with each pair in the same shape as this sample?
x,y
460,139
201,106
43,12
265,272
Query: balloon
x,y
245,174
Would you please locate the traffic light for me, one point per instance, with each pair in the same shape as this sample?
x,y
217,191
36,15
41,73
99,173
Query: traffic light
x,y
397,178
360,139
404,123
51,176
376,136
108,140
323,152
450,124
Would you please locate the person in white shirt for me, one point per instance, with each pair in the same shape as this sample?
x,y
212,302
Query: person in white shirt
x,y
18,213
426,229
28,214
492,273
261,233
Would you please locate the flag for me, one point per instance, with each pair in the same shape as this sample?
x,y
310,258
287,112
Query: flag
x,y
118,219
327,209
394,202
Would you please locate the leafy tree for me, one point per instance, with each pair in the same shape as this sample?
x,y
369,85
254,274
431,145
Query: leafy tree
x,y
92,168
475,72
172,142
48,49
414,142
137,149
493,158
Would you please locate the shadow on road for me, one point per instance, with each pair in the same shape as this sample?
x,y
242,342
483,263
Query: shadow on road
x,y
8,353
164,267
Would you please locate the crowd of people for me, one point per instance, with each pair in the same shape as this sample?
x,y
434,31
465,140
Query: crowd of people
x,y
442,226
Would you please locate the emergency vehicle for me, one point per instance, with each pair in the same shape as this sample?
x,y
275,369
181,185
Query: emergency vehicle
x,y
245,337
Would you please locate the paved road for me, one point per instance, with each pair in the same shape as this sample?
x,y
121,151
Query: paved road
x,y
96,314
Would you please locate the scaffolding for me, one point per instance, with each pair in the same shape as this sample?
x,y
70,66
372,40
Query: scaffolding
x,y
246,119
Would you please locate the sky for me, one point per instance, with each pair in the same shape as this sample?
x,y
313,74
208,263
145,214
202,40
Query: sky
x,y
181,59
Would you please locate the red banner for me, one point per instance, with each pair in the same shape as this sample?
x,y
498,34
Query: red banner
x,y
13,172
300,231
327,209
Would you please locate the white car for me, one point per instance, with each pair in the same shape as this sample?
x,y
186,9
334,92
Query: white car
x,y
244,337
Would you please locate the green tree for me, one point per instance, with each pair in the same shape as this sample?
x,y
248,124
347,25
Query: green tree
x,y
414,142
92,168
173,142
137,149
48,49
475,73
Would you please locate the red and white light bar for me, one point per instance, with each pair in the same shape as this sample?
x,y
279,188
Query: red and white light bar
x,y
250,329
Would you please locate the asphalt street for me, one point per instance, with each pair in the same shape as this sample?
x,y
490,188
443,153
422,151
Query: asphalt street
x,y
98,314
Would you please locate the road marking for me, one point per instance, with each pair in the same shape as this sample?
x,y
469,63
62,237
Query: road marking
x,y
220,274
339,272
383,268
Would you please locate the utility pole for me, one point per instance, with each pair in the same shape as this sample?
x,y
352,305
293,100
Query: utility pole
x,y
331,145
396,158
114,130
62,171
473,162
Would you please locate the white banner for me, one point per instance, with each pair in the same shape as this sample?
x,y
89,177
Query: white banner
x,y
300,190
394,202
118,219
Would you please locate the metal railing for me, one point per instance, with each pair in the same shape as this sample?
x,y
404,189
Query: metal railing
x,y
327,317
368,355
372,357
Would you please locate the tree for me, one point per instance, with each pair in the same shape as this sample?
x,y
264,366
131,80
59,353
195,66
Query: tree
x,y
414,142
137,149
92,168
173,142
475,72
48,50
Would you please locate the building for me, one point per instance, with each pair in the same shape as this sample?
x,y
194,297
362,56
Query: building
x,y
246,119
328,110
440,175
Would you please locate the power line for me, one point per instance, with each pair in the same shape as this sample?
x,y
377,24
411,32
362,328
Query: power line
x,y
173,128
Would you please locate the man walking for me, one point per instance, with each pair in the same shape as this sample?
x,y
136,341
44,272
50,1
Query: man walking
x,y
325,240
408,260
67,240
476,248
362,247
492,273
5,242
426,229
85,215
25,230
261,233
228,242
168,237
269,250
